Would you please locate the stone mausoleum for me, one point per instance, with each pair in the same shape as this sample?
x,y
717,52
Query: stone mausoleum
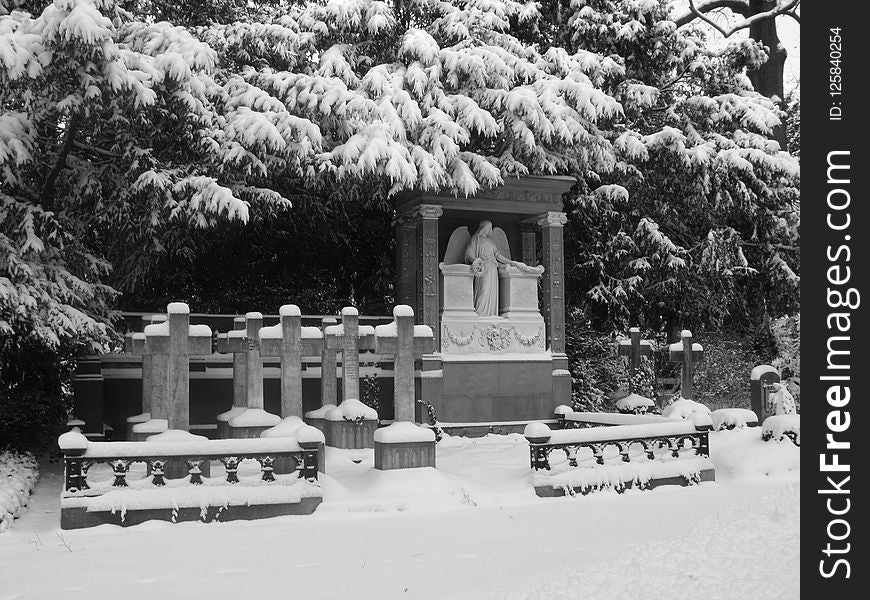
x,y
484,272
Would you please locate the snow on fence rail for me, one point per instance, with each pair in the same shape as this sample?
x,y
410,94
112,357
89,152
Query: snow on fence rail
x,y
166,489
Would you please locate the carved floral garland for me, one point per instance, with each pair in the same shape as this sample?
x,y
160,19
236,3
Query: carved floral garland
x,y
497,339
463,340
528,340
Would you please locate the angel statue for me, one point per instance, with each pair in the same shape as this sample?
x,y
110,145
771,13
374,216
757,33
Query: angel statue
x,y
484,251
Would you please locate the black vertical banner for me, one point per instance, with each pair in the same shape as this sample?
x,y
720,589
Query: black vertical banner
x,y
834,265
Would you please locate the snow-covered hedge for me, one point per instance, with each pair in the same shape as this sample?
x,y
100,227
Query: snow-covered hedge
x,y
18,475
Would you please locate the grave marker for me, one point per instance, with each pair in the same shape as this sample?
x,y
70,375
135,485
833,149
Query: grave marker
x,y
253,420
634,348
406,342
404,444
240,401
290,341
151,363
328,370
349,338
176,340
688,353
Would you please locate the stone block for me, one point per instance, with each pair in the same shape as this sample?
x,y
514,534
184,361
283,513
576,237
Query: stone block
x,y
404,455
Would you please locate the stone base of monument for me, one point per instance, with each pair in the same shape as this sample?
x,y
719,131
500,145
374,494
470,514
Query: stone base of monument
x,y
351,425
77,517
251,423
404,445
487,389
549,491
223,425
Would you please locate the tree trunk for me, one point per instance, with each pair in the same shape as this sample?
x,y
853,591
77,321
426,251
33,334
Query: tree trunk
x,y
768,79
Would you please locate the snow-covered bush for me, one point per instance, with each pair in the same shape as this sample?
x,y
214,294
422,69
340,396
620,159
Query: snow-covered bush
x,y
18,475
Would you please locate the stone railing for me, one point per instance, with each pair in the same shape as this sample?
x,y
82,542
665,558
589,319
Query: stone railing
x,y
674,436
194,455
172,482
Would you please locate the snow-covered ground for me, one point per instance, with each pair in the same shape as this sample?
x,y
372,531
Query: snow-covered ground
x,y
472,529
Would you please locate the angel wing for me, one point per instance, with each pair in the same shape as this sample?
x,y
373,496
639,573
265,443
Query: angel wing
x,y
501,242
455,253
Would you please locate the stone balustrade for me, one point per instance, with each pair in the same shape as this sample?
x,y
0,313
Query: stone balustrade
x,y
126,498
672,452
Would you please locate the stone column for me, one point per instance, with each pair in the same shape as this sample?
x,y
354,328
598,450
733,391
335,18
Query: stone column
x,y
406,261
554,278
239,398
328,375
427,251
253,362
528,231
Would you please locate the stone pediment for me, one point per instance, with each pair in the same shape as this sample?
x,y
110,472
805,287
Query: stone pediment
x,y
524,196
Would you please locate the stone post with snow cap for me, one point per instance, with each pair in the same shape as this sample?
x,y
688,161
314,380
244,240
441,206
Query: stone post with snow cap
x,y
253,420
176,340
290,341
687,353
403,444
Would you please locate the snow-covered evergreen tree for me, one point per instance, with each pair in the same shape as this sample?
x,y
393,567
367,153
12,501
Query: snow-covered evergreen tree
x,y
698,223
119,131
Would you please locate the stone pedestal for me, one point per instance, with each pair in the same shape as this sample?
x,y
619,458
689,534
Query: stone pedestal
x,y
518,294
404,445
404,455
223,427
351,425
317,418
251,423
457,282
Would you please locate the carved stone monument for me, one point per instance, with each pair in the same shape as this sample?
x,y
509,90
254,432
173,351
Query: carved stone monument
x,y
499,322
